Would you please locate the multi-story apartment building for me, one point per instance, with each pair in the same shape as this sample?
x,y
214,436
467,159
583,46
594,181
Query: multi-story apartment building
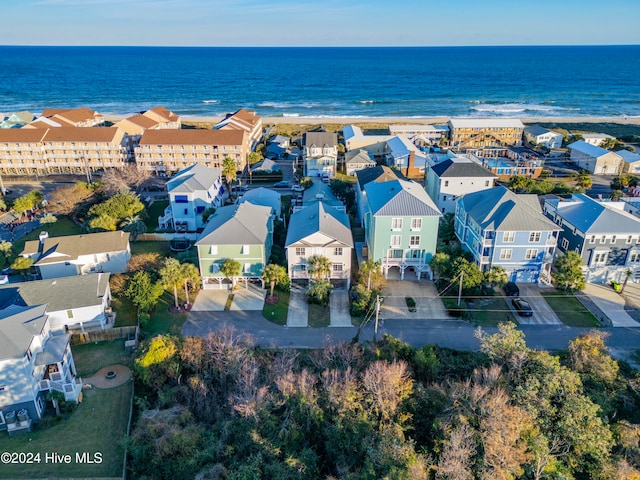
x,y
501,228
75,117
606,237
484,132
166,151
246,121
60,150
164,117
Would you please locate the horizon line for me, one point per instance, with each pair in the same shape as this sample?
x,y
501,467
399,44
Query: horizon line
x,y
327,46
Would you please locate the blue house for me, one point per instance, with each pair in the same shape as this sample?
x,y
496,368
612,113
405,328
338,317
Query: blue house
x,y
501,228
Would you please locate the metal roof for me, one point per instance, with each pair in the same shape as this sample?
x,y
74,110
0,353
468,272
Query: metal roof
x,y
399,198
538,130
593,217
319,218
588,149
244,224
194,178
320,139
376,174
358,156
499,209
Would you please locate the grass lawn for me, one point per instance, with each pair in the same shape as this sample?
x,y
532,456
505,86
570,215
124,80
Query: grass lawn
x,y
98,424
161,248
489,312
153,212
64,226
277,313
346,178
162,320
569,310
319,316
126,312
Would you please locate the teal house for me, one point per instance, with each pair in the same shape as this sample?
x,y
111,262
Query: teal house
x,y
401,226
242,232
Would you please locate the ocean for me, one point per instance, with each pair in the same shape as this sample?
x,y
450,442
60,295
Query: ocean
x,y
545,81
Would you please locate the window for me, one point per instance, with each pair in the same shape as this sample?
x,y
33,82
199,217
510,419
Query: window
x,y
634,257
592,239
337,267
300,251
69,313
200,209
396,224
446,183
603,239
534,237
181,199
186,211
531,254
337,251
505,253
396,240
613,239
213,250
245,250
486,183
416,224
600,257
247,268
630,239
414,241
509,237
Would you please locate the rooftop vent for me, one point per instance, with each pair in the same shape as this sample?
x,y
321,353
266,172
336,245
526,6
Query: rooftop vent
x,y
43,236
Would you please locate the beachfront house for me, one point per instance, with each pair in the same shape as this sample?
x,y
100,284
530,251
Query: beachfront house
x,y
79,254
33,362
630,162
76,117
241,232
73,303
537,135
191,192
401,226
16,119
501,228
594,159
165,118
485,132
319,230
427,134
606,237
355,139
456,176
595,139
355,160
320,154
246,121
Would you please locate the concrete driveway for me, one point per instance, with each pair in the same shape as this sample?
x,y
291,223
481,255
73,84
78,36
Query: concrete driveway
x,y
251,298
543,314
611,303
298,314
210,301
339,306
428,303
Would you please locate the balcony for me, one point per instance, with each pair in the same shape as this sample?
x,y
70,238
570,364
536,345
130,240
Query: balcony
x,y
70,389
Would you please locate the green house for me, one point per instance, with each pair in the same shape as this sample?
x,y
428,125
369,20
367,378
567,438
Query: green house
x,y
401,225
241,232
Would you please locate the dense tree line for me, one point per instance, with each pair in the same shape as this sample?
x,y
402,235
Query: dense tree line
x,y
221,408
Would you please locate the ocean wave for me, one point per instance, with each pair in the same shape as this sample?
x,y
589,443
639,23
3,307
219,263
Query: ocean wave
x,y
515,107
210,101
366,102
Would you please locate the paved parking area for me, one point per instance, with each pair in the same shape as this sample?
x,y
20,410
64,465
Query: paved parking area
x,y
543,314
251,298
210,301
339,306
428,303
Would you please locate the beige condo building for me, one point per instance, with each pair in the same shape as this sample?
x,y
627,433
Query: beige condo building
x,y
485,132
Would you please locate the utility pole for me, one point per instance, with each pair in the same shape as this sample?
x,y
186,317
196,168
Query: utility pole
x,y
460,288
375,328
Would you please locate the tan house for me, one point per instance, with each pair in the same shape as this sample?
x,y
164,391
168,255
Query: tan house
x,y
167,151
596,160
164,117
76,117
485,132
60,150
246,121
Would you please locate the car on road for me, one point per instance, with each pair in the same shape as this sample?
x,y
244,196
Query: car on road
x,y
297,188
522,307
282,184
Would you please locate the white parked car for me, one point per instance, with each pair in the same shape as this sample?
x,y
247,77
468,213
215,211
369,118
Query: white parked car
x,y
4,279
297,188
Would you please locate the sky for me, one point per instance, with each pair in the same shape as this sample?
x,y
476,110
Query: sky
x,y
319,23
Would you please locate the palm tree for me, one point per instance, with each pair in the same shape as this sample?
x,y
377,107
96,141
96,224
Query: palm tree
x,y
231,269
627,274
171,276
229,172
134,225
319,267
274,274
191,276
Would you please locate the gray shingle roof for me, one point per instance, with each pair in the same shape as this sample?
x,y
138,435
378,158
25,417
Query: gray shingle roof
x,y
64,293
461,167
64,249
53,350
358,156
263,196
592,217
319,218
500,209
537,130
18,326
244,224
194,178
400,198
376,174
320,139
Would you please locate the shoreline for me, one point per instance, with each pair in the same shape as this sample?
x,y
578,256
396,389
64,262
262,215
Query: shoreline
x,y
299,120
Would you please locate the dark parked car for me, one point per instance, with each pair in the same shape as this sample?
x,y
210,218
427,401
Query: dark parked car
x,y
511,289
522,306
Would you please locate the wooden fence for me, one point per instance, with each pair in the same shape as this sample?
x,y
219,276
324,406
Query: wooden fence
x,y
104,335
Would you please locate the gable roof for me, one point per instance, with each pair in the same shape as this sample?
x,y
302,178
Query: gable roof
x,y
401,198
318,218
320,139
162,112
192,137
628,157
18,326
461,167
538,130
197,177
588,149
243,119
83,134
500,209
67,248
64,293
593,217
358,156
263,196
376,174
21,135
246,224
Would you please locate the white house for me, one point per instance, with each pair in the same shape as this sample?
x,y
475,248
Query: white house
x,y
427,133
32,363
449,179
191,192
318,230
535,134
596,139
73,303
355,160
594,159
355,139
320,153
79,254
264,197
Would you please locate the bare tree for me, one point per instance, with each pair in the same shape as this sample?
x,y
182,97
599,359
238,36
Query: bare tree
x,y
67,200
457,455
386,385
